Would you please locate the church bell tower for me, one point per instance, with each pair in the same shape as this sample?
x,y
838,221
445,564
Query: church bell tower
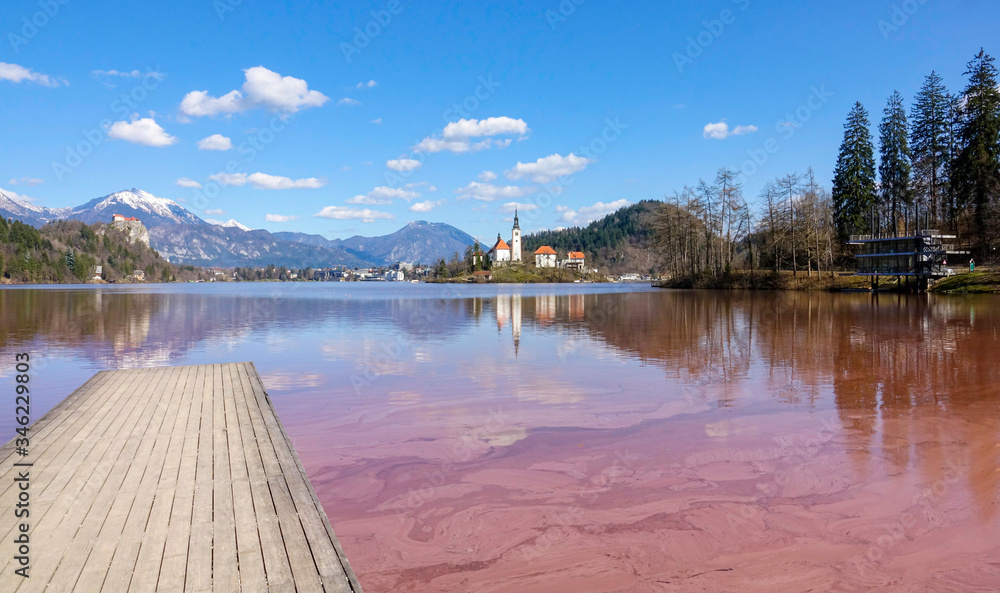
x,y
515,241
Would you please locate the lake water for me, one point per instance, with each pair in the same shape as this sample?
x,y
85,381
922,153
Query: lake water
x,y
593,438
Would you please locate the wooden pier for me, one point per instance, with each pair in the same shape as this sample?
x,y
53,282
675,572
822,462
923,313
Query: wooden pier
x,y
167,479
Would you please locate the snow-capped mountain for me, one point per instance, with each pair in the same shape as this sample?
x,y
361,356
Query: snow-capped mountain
x,y
232,224
151,210
14,206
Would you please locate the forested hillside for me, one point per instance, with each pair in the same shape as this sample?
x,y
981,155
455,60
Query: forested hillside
x,y
69,251
618,243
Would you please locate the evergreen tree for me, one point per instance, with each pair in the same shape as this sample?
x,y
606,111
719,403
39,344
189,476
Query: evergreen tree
x,y
931,139
854,177
977,168
70,259
894,168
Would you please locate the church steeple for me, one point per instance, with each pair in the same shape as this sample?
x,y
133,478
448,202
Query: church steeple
x,y
516,226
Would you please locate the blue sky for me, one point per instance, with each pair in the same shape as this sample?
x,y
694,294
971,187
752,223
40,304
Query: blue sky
x,y
568,108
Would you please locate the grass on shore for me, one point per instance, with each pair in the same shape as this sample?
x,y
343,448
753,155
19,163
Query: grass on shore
x,y
979,282
769,280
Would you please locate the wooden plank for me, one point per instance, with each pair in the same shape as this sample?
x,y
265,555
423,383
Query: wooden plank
x,y
225,572
198,577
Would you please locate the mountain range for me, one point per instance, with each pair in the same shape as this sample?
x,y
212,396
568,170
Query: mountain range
x,y
181,237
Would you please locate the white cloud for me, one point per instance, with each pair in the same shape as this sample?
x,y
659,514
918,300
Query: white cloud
x,y
549,168
383,195
263,88
487,192
345,213
366,85
279,218
187,182
265,181
232,179
215,142
141,131
487,176
377,121
216,212
457,136
512,206
349,101
15,73
403,164
721,131
426,206
26,181
588,214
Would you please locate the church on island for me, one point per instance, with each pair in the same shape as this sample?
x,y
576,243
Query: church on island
x,y
504,254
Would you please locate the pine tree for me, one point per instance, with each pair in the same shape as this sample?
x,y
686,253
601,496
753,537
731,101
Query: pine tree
x,y
931,139
977,168
854,177
895,168
70,259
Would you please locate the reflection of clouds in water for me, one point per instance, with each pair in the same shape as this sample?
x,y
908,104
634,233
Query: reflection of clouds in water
x,y
290,381
548,392
335,351
422,354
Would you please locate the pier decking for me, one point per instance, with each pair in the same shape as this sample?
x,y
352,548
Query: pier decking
x,y
168,479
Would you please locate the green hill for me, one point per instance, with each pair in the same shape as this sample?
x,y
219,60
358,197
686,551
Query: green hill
x,y
619,243
68,251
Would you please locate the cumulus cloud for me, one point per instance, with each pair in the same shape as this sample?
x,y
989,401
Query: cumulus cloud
x,y
279,218
265,181
426,206
345,213
721,131
549,168
383,195
263,88
215,212
16,74
215,142
588,214
26,181
349,101
366,85
458,136
487,192
143,131
487,176
187,182
403,165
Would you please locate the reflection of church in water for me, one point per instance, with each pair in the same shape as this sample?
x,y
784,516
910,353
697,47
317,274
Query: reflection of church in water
x,y
512,309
